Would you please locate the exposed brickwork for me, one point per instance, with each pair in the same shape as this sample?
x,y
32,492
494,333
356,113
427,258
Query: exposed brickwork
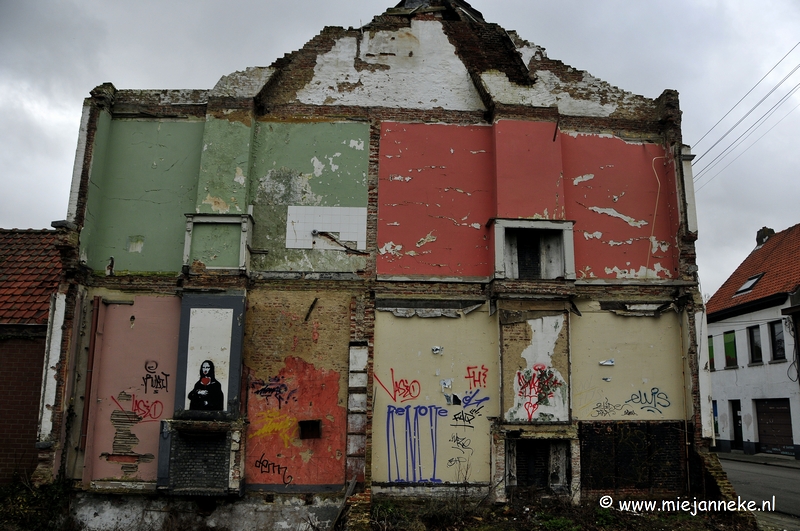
x,y
21,359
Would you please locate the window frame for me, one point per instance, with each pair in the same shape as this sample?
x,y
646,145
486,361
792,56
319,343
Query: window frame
x,y
773,325
731,358
711,366
754,345
503,247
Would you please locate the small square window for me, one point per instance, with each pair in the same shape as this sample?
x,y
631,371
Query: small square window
x,y
730,349
776,341
754,342
310,429
534,250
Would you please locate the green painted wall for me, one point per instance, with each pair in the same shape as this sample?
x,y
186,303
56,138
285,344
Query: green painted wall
x,y
222,184
143,181
305,164
216,245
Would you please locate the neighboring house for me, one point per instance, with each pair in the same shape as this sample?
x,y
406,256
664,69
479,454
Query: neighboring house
x,y
752,324
413,255
30,269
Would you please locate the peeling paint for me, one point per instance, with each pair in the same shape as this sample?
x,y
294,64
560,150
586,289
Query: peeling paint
x,y
239,177
641,273
596,235
613,213
217,204
391,248
656,245
358,145
427,239
583,178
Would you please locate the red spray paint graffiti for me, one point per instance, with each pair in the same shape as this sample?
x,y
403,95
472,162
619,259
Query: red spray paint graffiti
x,y
537,387
402,389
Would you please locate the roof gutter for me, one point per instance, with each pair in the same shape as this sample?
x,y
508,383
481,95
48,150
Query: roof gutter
x,y
748,307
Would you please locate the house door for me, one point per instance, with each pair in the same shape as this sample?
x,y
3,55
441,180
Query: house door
x,y
736,415
774,426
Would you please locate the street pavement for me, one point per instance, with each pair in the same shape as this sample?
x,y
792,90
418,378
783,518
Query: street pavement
x,y
760,477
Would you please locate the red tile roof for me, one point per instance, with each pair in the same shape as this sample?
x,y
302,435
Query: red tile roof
x,y
778,259
30,268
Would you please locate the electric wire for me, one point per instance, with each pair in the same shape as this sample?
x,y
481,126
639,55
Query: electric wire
x,y
748,147
750,130
781,82
748,93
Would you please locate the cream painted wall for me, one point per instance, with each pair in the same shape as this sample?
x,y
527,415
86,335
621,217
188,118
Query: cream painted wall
x,y
646,380
417,435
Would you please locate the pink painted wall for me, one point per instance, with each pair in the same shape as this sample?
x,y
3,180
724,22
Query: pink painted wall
x,y
435,195
133,387
439,185
276,455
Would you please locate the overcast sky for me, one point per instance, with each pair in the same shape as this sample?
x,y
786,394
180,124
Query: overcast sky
x,y
53,52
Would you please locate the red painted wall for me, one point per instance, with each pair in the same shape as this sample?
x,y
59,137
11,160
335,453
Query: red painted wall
x,y
529,180
435,194
634,181
276,455
439,185
21,360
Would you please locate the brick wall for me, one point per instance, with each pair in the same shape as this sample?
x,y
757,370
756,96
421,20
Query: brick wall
x,y
21,360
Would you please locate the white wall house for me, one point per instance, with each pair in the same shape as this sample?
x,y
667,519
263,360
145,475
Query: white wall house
x,y
753,349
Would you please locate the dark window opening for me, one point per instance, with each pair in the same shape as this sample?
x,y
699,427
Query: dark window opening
x,y
754,340
776,341
310,429
711,353
533,254
730,349
533,464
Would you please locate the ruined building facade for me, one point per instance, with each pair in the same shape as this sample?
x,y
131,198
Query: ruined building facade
x,y
416,254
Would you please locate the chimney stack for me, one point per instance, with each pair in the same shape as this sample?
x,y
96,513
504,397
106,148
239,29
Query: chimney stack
x,y
763,235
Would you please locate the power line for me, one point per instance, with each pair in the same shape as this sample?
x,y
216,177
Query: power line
x,y
748,93
748,147
747,114
753,127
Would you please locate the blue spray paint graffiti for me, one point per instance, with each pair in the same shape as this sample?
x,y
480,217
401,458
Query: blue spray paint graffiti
x,y
406,439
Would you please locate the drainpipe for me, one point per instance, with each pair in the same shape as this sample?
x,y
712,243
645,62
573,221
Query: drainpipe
x,y
89,371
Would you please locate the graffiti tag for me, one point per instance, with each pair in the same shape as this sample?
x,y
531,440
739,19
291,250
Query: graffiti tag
x,y
265,466
605,409
276,423
146,410
156,382
416,444
650,402
476,376
274,388
537,386
461,443
463,419
402,389
455,461
472,399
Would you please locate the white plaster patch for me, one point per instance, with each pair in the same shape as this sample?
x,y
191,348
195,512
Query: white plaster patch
x,y
391,248
590,235
430,238
614,214
547,91
346,224
583,178
358,145
319,166
529,405
641,273
239,176
656,245
399,67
